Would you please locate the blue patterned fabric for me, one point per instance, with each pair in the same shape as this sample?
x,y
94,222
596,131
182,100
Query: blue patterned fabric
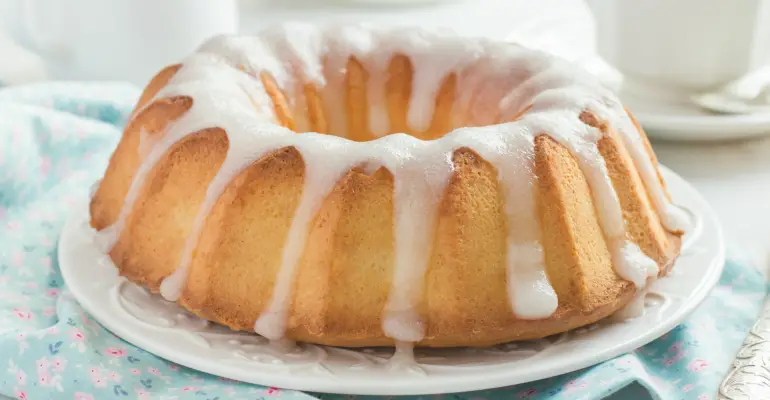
x,y
55,140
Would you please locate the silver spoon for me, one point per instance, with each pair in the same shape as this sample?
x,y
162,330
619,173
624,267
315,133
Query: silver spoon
x,y
747,95
749,374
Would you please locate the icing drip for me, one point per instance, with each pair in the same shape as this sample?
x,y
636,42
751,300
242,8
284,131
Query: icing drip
x,y
494,82
379,122
633,265
403,359
361,43
334,93
672,218
437,61
419,187
318,183
634,308
528,288
512,153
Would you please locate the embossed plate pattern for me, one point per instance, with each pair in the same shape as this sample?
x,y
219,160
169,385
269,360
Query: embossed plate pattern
x,y
166,330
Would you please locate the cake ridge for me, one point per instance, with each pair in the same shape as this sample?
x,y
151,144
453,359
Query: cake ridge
x,y
224,87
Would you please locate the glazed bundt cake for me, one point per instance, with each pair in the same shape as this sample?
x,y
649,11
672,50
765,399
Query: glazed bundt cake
x,y
360,186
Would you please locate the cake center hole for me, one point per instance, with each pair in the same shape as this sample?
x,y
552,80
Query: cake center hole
x,y
358,106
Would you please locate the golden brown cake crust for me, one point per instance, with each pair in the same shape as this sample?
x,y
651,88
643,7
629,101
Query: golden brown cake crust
x,y
345,273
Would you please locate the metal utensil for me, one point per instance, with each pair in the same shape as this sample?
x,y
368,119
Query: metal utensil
x,y
749,374
747,95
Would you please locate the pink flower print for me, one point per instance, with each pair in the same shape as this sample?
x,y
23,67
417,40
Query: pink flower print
x,y
21,336
675,347
17,259
94,372
625,361
135,371
50,312
45,165
576,384
697,365
52,330
669,361
52,292
688,387
115,377
525,394
22,314
83,396
142,395
44,379
46,262
189,389
272,391
13,225
115,352
99,382
31,285
704,396
21,378
42,365
228,390
173,367
76,335
153,371
58,364
20,394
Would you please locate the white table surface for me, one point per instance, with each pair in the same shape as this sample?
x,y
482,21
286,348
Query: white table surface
x,y
735,179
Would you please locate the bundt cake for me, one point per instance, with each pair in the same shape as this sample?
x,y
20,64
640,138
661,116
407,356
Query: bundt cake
x,y
362,186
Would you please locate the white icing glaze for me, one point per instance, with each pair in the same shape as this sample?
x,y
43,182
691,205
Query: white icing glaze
x,y
403,359
633,265
513,154
494,82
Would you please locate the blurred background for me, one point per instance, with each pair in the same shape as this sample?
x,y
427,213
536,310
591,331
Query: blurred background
x,y
132,39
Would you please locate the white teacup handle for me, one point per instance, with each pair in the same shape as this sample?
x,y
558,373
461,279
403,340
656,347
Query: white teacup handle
x,y
45,42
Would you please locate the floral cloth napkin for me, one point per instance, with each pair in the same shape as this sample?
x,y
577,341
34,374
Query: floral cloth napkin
x,y
55,140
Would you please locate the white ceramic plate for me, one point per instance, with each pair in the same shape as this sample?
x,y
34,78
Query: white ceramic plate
x,y
676,119
166,330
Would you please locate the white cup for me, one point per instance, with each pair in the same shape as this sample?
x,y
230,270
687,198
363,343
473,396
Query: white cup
x,y
127,40
683,45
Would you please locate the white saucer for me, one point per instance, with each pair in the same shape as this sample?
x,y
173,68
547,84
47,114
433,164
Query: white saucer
x,y
166,330
672,118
